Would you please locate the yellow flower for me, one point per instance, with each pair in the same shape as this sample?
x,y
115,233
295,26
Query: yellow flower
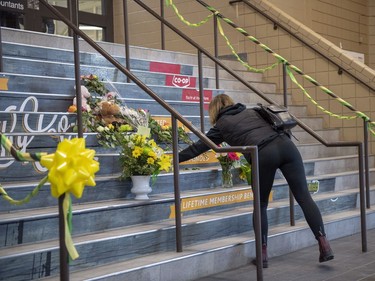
x,y
152,154
143,156
110,126
165,162
137,151
152,143
150,160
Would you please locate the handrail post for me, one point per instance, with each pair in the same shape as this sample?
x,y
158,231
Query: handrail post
x,y
64,258
1,53
291,199
201,91
216,49
256,213
366,156
73,13
162,32
285,86
362,198
126,36
177,196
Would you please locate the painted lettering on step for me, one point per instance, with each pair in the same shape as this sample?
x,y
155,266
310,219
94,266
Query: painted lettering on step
x,y
207,157
32,121
165,121
180,81
214,200
192,95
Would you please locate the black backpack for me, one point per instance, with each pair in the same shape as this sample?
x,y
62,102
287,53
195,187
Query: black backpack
x,y
278,116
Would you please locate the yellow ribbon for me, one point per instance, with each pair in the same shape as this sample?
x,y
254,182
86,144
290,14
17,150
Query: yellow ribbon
x,y
71,167
68,237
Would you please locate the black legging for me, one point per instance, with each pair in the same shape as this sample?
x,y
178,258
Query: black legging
x,y
281,153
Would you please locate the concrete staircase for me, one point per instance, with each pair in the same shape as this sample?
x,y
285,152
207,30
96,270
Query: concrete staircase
x,y
117,237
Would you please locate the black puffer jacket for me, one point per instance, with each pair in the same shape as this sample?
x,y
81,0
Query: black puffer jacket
x,y
237,126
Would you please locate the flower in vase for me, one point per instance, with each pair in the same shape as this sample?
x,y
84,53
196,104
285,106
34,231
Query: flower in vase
x,y
227,161
142,156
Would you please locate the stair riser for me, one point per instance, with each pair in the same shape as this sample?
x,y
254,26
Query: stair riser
x,y
62,103
327,135
321,151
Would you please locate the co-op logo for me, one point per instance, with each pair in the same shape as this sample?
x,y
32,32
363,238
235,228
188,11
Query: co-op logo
x,y
181,81
12,5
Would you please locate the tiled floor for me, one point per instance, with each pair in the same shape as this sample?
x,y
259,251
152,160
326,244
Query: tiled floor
x,y
350,264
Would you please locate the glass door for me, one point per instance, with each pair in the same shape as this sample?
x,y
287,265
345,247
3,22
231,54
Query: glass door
x,y
95,17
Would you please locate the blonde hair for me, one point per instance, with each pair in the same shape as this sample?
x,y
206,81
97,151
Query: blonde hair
x,y
218,103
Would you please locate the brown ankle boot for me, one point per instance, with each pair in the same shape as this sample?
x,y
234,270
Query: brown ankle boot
x,y
326,252
264,257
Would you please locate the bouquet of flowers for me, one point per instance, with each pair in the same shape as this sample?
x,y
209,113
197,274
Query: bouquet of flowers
x,y
227,162
103,112
142,156
245,173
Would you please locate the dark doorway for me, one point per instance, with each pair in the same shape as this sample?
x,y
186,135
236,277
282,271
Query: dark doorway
x,y
95,17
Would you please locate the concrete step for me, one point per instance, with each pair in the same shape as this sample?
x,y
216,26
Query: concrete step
x,y
311,151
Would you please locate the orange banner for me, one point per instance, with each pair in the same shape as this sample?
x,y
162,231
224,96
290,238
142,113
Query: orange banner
x,y
4,84
204,158
167,121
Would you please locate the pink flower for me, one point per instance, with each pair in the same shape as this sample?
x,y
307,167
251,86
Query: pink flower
x,y
233,156
110,95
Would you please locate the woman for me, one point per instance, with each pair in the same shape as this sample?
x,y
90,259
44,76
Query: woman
x,y
240,126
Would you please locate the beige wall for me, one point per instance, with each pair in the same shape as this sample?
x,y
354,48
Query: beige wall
x,y
371,33
325,24
345,23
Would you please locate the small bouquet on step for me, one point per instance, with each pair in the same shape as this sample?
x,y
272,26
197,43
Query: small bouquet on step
x,y
227,162
245,171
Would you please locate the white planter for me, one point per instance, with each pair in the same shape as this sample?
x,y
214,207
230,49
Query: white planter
x,y
141,187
